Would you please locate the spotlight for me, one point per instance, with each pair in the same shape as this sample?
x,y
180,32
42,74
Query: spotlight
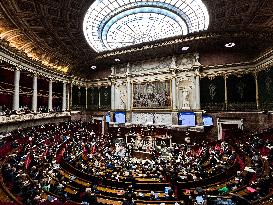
x,y
117,59
185,48
93,67
230,45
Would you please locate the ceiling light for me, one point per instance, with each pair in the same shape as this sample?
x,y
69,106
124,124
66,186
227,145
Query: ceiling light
x,y
230,45
117,59
185,48
93,67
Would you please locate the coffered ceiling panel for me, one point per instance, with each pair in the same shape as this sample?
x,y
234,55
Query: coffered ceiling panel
x,y
51,30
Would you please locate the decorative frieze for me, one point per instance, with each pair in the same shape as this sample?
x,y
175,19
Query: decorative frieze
x,y
152,118
29,66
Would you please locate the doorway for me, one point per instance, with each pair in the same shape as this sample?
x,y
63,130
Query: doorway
x,y
228,127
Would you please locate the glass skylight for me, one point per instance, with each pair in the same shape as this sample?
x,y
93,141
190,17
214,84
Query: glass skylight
x,y
111,24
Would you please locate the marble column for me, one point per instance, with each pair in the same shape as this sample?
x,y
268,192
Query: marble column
x,y
99,96
129,93
197,92
86,88
226,97
34,95
113,96
16,90
257,90
64,97
68,98
50,95
174,93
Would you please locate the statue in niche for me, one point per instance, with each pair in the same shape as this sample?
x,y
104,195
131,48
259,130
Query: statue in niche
x,y
185,102
121,96
184,89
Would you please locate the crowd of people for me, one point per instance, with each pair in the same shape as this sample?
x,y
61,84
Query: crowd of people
x,y
33,169
6,111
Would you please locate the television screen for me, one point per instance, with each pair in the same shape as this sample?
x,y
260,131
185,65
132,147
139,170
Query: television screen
x,y
108,118
166,190
120,117
207,120
186,118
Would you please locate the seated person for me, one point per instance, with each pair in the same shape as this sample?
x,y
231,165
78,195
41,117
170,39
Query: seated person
x,y
89,197
128,200
169,196
200,199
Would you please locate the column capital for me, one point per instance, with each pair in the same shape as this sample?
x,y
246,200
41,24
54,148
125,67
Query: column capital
x,y
197,71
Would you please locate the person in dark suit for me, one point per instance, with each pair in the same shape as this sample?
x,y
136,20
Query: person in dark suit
x,y
89,197
128,199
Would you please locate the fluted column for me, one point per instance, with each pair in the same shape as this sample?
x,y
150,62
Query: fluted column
x,y
129,93
16,90
226,96
64,97
197,90
257,90
68,98
50,95
86,89
174,92
34,95
113,96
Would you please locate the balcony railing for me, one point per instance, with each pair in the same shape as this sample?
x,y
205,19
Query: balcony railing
x,y
30,116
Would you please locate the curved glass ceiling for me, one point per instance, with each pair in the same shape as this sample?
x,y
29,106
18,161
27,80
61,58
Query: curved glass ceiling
x,y
111,24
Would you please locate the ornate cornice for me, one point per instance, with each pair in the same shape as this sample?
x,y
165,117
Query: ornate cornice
x,y
22,53
186,39
23,63
260,63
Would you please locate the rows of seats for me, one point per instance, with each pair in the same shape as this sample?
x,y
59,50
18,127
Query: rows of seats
x,y
71,162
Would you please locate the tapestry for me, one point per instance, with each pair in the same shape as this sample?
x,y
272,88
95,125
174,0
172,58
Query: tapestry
x,y
241,89
212,92
105,98
93,98
152,95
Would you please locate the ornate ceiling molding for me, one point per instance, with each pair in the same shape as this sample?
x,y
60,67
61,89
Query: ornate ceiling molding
x,y
19,62
262,62
51,31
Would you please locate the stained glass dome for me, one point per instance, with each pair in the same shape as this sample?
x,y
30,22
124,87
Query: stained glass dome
x,y
111,24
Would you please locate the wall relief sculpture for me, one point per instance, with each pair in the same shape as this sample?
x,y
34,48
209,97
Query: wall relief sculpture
x,y
152,118
120,95
186,61
185,93
147,66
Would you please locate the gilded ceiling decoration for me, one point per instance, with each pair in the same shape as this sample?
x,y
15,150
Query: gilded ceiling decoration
x,y
51,31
